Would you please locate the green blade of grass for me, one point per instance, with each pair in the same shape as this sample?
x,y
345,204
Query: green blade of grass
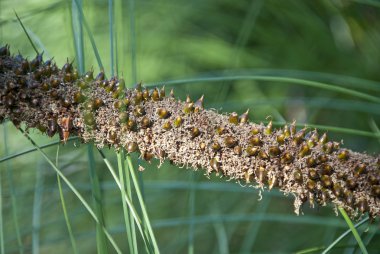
x,y
36,219
64,209
13,193
142,204
276,80
353,230
111,35
74,190
27,34
129,202
77,31
190,248
97,200
2,248
127,218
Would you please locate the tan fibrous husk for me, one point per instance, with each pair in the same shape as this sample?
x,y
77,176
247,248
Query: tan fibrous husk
x,y
302,163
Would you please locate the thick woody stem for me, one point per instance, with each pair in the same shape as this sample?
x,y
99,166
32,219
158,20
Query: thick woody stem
x,y
302,163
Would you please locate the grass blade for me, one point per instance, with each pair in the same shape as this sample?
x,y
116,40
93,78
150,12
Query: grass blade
x,y
2,248
190,248
97,200
27,34
353,230
127,218
74,190
111,35
142,204
63,203
36,221
13,193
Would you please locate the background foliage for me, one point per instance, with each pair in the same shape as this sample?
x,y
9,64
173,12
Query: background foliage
x,y
155,41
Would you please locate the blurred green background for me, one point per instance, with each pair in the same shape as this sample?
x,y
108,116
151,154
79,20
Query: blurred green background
x,y
190,43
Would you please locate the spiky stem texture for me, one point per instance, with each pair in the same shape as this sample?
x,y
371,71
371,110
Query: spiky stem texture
x,y
301,163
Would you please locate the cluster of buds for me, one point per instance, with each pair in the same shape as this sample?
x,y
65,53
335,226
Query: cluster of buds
x,y
299,162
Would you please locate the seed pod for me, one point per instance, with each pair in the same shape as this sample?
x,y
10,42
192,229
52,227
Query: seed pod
x,y
89,76
139,111
45,86
52,127
220,130
147,155
263,155
237,150
98,103
323,140
78,97
269,128
198,105
138,97
255,141
145,122
287,157
155,95
328,148
163,113
100,76
313,174
297,174
54,94
280,138
376,191
255,131
230,142
89,118
311,162
4,51
216,146
274,151
351,183
178,121
112,136
311,185
123,117
338,190
162,92
233,118
326,169
298,137
146,94
215,165
131,125
188,108
349,197
322,159
363,206
68,67
195,132
66,102
172,93
244,117
373,179
202,146
343,155
118,105
252,151
286,131
360,169
305,150
326,181
167,126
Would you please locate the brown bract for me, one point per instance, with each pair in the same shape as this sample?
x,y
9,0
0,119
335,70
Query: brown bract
x,y
302,163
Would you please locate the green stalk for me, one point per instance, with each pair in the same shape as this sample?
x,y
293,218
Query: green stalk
x,y
97,200
127,219
129,202
142,204
68,225
74,190
13,194
36,219
2,249
353,230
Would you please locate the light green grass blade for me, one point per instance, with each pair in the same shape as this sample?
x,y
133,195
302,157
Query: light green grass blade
x,y
276,80
90,36
37,203
152,238
77,32
111,36
2,248
127,218
132,39
129,202
97,200
64,209
13,193
27,34
190,248
353,230
74,190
